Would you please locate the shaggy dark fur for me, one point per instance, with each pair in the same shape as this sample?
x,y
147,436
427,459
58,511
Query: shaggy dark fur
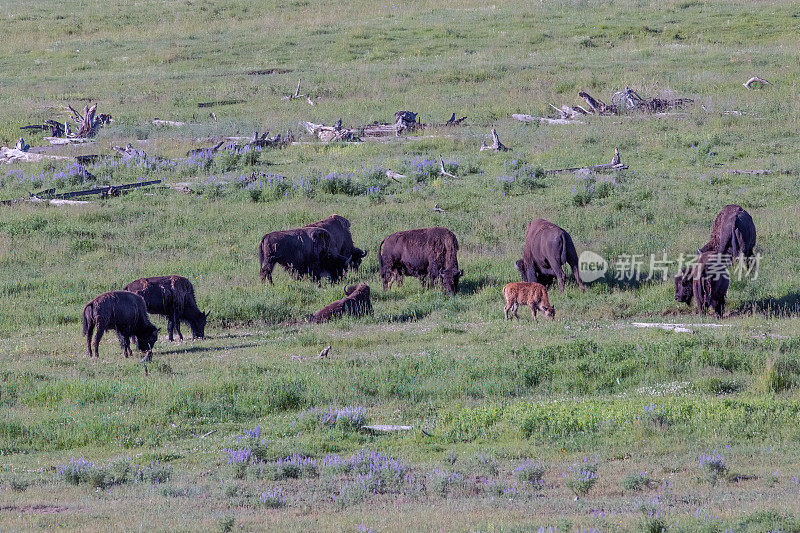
x,y
430,254
356,302
172,297
547,249
733,233
341,239
124,312
707,282
302,252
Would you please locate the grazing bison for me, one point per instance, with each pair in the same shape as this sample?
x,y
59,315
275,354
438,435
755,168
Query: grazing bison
x,y
733,233
302,252
429,254
547,249
172,297
532,294
356,303
124,312
341,239
707,281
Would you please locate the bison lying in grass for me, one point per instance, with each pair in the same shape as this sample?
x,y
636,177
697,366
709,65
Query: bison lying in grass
x,y
356,302
532,294
172,297
124,312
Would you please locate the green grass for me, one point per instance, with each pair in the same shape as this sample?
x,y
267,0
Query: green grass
x,y
484,396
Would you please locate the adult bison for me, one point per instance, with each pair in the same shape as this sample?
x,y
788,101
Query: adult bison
x,y
172,297
706,281
124,312
547,249
341,239
356,302
302,252
733,233
429,254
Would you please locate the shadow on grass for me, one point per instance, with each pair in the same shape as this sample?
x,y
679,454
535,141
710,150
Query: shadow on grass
x,y
782,307
200,349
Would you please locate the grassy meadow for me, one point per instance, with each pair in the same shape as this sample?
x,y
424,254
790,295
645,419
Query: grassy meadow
x,y
584,423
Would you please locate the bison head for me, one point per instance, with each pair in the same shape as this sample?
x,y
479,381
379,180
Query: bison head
x,y
357,255
683,288
147,340
450,280
550,311
198,325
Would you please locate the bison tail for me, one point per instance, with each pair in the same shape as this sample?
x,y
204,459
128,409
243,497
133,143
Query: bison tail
x,y
380,257
87,319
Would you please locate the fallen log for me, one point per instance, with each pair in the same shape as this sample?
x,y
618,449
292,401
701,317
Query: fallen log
x,y
755,79
12,155
453,121
750,171
330,133
616,164
205,151
219,102
387,428
544,120
129,152
172,123
496,145
106,190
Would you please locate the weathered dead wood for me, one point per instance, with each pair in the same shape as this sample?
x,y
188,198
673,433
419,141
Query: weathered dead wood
x,y
266,71
453,121
616,164
755,79
106,190
544,120
174,124
387,428
297,94
396,176
219,102
22,146
129,152
444,172
12,155
758,171
438,209
89,121
205,151
330,133
263,141
597,106
496,145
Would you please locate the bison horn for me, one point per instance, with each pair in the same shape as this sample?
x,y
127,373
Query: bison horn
x,y
699,252
348,289
207,314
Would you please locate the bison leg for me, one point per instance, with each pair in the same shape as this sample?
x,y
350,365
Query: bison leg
x,y
514,310
719,307
533,313
89,333
266,272
507,309
562,278
125,344
170,327
96,343
177,322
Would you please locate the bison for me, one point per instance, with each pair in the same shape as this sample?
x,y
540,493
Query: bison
x,y
356,303
547,249
532,294
707,281
124,312
302,252
172,297
733,233
429,254
341,239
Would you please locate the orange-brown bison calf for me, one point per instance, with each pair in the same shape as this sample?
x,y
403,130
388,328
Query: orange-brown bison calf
x,y
529,293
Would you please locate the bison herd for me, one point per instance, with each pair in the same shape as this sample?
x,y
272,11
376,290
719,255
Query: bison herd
x,y
325,249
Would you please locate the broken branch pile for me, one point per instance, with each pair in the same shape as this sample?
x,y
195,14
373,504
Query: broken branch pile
x,y
87,123
622,102
404,122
